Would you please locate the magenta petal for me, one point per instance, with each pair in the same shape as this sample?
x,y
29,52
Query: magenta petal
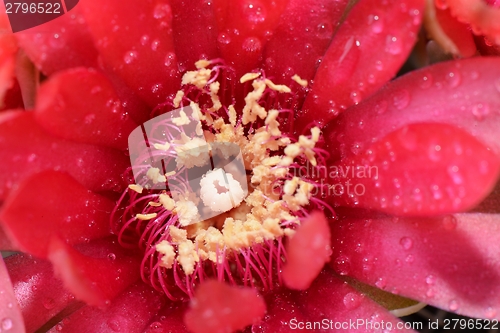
x,y
81,105
465,93
130,312
40,295
31,220
10,312
60,44
420,169
136,42
98,272
26,149
331,301
367,50
308,44
449,262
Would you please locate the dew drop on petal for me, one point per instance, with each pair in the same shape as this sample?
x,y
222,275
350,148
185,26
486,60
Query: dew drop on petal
x,y
480,111
376,23
453,306
401,99
352,301
441,4
406,243
430,279
6,324
453,78
342,265
129,57
393,45
426,81
409,259
381,283
224,38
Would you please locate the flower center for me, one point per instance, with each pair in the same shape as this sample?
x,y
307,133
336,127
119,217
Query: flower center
x,y
218,188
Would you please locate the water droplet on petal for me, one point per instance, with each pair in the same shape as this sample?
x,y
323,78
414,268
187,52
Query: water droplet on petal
x,y
381,107
426,81
430,279
255,12
162,11
381,283
352,301
376,23
144,39
114,325
111,256
155,44
252,44
130,56
393,45
406,243
453,306
401,99
441,4
480,111
6,324
409,259
453,78
224,38
342,265
356,96
379,65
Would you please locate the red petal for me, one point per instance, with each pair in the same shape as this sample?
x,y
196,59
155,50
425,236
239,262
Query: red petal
x,y
305,30
130,312
483,18
97,274
60,44
244,27
81,105
26,149
458,32
8,50
420,169
332,303
218,307
449,262
465,93
136,42
40,295
10,312
349,70
50,204
307,252
195,32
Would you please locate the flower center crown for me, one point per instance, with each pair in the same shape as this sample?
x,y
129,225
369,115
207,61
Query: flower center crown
x,y
218,188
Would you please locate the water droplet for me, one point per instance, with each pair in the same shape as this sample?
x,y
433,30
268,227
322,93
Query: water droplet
x,y
324,30
156,87
449,222
356,96
59,327
352,301
224,38
114,325
356,148
430,279
453,78
49,303
155,44
480,111
426,81
401,99
162,11
381,107
441,4
342,265
415,14
379,65
111,256
455,175
89,119
169,59
397,201
409,259
430,293
252,44
406,243
381,283
393,45
453,306
130,56
376,23
144,39
255,12
490,313
6,324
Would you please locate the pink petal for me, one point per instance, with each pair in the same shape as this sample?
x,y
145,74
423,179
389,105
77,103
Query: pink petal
x,y
40,295
130,312
8,50
305,30
420,169
218,307
368,49
136,42
244,27
26,149
450,262
60,44
331,301
50,204
465,93
307,252
98,273
11,318
195,33
81,105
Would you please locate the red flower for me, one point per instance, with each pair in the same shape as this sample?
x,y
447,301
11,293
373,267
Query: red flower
x,y
406,166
